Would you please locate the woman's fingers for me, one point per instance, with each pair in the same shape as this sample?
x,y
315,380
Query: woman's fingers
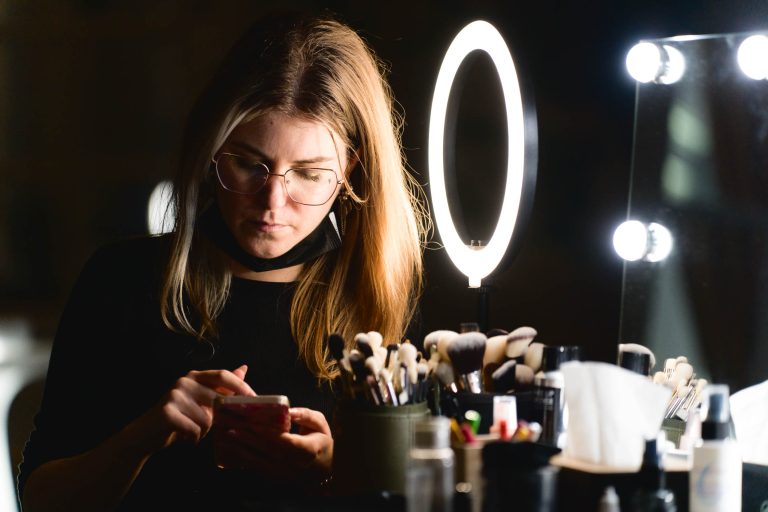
x,y
309,420
187,409
241,371
223,381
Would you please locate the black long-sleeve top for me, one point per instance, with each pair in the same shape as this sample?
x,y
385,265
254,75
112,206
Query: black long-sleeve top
x,y
113,359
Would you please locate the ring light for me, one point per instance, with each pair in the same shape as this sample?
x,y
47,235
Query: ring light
x,y
478,263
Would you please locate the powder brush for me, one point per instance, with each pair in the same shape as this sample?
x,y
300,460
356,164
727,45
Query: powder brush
x,y
466,353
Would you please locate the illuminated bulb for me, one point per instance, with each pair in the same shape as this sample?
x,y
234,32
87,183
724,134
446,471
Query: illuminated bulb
x,y
644,62
673,65
635,241
647,62
630,240
753,57
160,218
660,242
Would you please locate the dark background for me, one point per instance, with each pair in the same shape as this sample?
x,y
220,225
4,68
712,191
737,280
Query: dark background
x,y
94,95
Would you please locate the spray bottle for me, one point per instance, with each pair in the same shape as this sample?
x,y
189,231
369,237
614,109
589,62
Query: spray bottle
x,y
715,478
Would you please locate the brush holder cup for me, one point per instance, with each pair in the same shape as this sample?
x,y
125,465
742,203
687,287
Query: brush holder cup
x,y
371,447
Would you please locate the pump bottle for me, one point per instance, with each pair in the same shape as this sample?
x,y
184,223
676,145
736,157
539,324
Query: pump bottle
x,y
715,478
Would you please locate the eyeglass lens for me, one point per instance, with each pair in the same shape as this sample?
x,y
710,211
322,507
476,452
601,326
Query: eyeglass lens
x,y
308,186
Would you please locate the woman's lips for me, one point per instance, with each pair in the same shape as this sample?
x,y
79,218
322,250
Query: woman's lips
x,y
267,227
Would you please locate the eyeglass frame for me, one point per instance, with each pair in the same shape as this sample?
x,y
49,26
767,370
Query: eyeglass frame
x,y
215,161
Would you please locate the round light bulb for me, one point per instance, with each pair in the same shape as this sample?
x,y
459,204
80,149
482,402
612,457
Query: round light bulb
x,y
630,240
752,57
644,62
160,217
673,65
660,242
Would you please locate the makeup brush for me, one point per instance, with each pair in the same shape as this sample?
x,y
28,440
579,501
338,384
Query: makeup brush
x,y
669,367
376,341
522,333
533,356
524,375
385,377
363,345
444,374
518,341
495,350
516,349
495,354
407,356
496,332
466,355
391,361
336,347
442,339
374,367
684,371
503,379
421,378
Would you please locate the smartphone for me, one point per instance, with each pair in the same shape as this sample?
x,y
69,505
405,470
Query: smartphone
x,y
240,413
264,410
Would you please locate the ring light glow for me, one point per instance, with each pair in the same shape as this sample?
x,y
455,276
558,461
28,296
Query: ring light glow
x,y
476,263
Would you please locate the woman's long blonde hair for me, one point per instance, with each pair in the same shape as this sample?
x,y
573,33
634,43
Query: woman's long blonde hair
x,y
321,70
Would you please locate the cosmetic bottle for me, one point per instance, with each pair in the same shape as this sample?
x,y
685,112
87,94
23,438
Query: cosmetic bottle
x,y
652,494
609,502
715,478
429,485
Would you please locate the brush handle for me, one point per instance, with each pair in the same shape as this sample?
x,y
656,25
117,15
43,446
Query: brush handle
x,y
471,382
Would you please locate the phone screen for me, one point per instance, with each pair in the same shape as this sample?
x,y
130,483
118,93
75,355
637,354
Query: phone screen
x,y
267,414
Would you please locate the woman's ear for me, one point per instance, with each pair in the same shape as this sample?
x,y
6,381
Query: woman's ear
x,y
353,159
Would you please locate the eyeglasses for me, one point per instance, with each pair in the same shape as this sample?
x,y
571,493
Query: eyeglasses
x,y
307,186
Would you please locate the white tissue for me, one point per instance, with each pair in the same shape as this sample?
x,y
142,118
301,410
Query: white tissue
x,y
749,410
612,411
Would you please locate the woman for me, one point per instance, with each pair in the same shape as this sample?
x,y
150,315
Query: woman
x,y
295,218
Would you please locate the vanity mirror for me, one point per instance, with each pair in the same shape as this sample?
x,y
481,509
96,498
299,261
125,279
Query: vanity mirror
x,y
696,275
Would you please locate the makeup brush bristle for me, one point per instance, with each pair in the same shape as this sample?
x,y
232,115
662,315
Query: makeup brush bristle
x,y
364,347
495,350
523,375
466,352
533,355
443,342
524,332
375,339
444,373
504,377
433,339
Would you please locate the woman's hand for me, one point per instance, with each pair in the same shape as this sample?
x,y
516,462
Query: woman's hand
x,y
305,456
185,413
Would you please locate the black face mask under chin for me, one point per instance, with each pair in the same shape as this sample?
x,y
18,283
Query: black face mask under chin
x,y
323,239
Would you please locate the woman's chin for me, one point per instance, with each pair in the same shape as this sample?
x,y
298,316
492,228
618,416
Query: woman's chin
x,y
266,253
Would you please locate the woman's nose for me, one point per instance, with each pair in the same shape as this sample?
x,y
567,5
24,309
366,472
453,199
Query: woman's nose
x,y
274,192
